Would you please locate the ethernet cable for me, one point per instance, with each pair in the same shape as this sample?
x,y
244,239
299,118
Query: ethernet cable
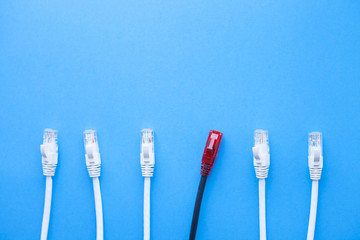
x,y
261,164
93,163
208,160
147,161
315,161
49,152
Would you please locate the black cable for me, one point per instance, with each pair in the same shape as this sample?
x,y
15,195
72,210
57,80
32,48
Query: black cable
x,y
197,207
207,162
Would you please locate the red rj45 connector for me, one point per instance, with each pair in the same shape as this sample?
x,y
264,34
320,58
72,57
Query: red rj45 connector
x,y
210,152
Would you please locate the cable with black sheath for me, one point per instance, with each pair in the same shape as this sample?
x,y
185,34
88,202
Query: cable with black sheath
x,y
210,154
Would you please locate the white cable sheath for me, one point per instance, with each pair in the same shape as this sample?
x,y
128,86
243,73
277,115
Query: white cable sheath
x,y
147,208
262,214
47,207
98,208
313,209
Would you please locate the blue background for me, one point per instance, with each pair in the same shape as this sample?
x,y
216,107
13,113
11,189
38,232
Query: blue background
x,y
182,68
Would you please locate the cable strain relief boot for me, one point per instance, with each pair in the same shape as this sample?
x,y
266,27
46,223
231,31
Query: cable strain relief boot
x,y
211,151
147,171
261,171
49,152
92,154
147,153
315,174
94,170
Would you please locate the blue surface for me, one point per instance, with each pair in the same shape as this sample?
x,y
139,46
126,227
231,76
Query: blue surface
x,y
182,68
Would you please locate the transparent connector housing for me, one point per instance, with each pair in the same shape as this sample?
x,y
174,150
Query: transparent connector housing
x,y
49,152
50,136
210,152
90,137
315,158
147,154
92,154
315,141
261,153
261,137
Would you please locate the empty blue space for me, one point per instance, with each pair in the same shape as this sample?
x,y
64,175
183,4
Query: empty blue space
x,y
181,68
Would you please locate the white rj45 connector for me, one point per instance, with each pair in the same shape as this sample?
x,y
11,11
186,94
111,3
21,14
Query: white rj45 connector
x,y
92,154
315,158
261,154
147,161
147,154
49,153
93,163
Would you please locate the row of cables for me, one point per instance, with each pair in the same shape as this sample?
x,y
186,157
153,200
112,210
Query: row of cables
x,y
49,152
261,164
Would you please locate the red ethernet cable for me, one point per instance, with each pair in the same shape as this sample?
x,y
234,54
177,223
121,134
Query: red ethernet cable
x,y
208,160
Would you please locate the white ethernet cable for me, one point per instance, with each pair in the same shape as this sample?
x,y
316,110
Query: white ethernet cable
x,y
49,152
315,160
147,161
93,163
261,164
